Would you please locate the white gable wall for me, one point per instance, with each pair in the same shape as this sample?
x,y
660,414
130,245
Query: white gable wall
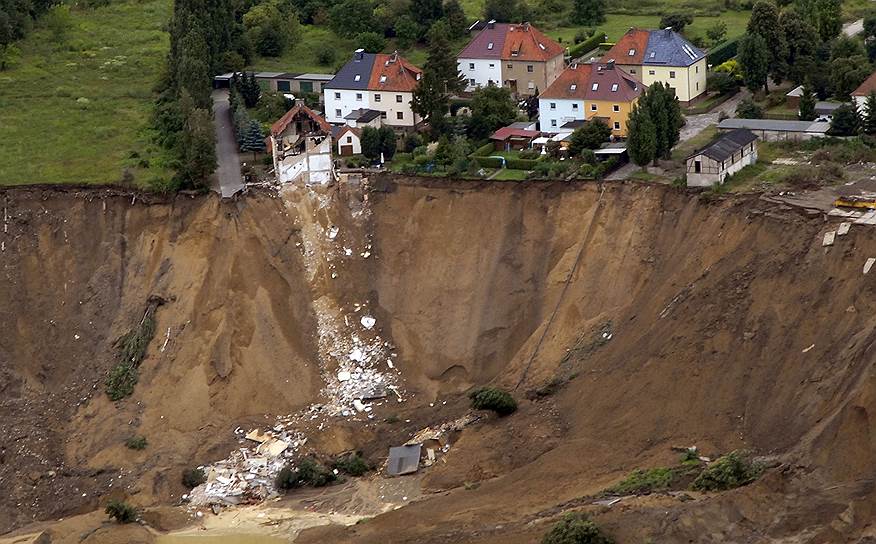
x,y
482,71
550,120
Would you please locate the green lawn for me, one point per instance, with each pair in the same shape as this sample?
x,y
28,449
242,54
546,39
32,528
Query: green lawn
x,y
508,174
616,25
75,112
302,58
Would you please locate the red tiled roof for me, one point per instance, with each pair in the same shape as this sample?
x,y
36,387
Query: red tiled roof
x,y
612,84
577,75
867,87
393,73
529,44
509,132
280,125
635,40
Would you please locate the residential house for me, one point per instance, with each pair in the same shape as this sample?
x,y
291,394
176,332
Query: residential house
x,y
373,82
517,56
348,139
859,95
662,56
301,144
727,154
589,91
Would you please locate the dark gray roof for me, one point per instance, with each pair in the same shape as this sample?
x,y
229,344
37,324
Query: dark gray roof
x,y
403,459
725,145
668,48
574,124
826,107
360,65
774,125
363,115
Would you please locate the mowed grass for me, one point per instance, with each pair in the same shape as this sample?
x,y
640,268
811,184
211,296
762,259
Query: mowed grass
x,y
73,112
303,57
616,25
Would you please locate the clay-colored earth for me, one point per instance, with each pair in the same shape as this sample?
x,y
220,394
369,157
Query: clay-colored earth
x,y
731,327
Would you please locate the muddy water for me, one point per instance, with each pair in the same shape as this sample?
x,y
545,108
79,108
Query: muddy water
x,y
225,539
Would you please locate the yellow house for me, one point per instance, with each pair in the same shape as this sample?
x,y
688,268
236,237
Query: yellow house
x,y
662,56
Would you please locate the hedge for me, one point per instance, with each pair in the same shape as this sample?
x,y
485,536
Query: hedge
x,y
723,53
587,45
483,150
488,162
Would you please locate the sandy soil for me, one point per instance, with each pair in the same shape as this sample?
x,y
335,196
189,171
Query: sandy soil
x,y
713,307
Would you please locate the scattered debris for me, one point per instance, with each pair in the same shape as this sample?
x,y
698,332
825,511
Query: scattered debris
x,y
403,459
869,264
608,502
332,232
829,237
809,348
843,229
367,321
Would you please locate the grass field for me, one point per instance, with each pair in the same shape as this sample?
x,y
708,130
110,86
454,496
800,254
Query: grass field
x,y
73,112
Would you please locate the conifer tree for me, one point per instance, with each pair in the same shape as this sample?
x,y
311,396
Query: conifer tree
x,y
642,137
807,104
868,114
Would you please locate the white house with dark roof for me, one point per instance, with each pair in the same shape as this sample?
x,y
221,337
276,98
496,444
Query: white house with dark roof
x,y
724,156
369,81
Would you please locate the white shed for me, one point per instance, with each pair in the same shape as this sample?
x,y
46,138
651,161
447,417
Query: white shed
x,y
724,156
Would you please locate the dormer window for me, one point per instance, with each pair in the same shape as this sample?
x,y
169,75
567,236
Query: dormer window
x,y
490,45
541,45
653,54
614,87
357,78
632,52
573,87
383,79
595,87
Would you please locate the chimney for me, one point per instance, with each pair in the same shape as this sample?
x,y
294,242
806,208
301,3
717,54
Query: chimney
x,y
668,31
394,56
526,26
358,54
491,23
610,64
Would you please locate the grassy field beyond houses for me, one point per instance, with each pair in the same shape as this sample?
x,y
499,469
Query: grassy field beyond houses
x,y
76,110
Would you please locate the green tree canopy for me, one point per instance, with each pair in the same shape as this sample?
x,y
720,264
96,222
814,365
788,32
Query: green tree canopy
x,y
764,22
491,107
590,136
754,61
807,104
588,12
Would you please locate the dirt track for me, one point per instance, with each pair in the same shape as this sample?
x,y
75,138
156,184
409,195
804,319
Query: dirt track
x,y
711,306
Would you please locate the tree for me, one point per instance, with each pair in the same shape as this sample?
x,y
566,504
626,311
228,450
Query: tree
x,y
590,136
802,42
754,60
254,139
248,87
764,22
503,11
588,12
430,101
388,142
575,528
846,46
748,109
407,32
9,54
807,104
491,108
271,29
371,42
641,137
370,141
676,21
426,12
441,62
868,114
199,148
440,78
717,32
846,74
352,17
829,16
845,121
455,18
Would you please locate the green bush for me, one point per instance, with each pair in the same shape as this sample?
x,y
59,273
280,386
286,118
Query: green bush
x,y
642,481
287,478
587,45
484,150
575,528
352,464
326,56
136,443
723,53
121,381
521,164
121,511
131,350
493,398
727,472
488,162
308,472
193,477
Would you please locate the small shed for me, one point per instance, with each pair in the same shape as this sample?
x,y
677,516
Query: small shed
x,y
769,130
403,459
364,117
348,139
508,138
724,156
792,99
824,110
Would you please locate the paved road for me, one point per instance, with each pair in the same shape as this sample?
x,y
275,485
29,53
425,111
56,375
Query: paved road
x,y
228,180
853,28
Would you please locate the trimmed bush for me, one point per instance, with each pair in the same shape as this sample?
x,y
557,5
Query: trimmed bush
x,y
121,511
193,477
723,53
352,464
575,528
641,482
136,443
484,150
727,472
589,44
488,162
493,398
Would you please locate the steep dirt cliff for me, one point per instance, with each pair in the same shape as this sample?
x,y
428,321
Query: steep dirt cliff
x,y
667,319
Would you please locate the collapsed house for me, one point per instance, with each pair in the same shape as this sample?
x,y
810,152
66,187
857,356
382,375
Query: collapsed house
x,y
301,144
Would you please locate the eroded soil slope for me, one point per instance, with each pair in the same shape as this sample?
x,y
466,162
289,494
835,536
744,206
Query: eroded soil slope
x,y
666,319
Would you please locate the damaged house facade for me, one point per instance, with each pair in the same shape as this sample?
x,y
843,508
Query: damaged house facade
x,y
301,144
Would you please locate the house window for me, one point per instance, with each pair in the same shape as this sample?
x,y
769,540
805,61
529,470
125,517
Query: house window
x,y
398,98
553,122
510,66
697,69
383,115
595,87
349,139
306,86
358,97
632,52
617,125
531,85
633,71
614,87
377,98
490,46
383,79
471,66
722,165
573,86
698,167
492,65
471,82
337,96
400,115
650,72
337,113
575,107
592,107
615,108
698,85
284,86
357,78
553,105
529,68
671,75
